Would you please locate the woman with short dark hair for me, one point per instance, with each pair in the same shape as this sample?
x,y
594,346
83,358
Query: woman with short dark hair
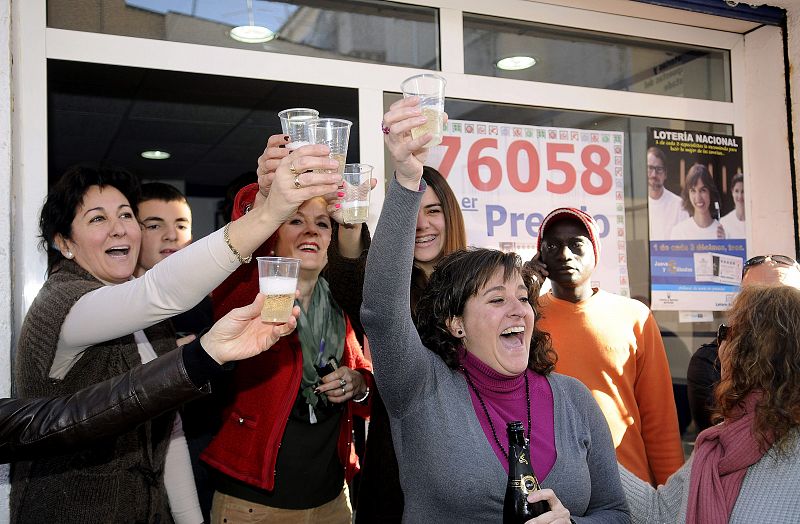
x,y
477,363
91,321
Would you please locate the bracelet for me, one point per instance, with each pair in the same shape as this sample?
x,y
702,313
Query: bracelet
x,y
239,257
363,397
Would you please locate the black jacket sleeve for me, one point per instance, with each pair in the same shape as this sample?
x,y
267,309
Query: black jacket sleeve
x,y
36,427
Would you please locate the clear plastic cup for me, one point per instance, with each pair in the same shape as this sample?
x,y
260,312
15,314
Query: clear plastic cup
x,y
430,90
294,123
333,132
277,280
357,185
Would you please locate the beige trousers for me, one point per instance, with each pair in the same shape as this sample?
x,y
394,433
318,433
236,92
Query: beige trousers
x,y
231,510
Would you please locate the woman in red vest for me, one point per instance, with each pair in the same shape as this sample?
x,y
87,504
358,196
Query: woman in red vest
x,y
284,452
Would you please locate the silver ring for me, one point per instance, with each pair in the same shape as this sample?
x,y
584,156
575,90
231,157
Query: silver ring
x,y
344,391
342,382
297,181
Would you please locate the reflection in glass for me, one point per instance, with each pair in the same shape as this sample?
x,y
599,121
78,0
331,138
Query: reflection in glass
x,y
356,30
593,59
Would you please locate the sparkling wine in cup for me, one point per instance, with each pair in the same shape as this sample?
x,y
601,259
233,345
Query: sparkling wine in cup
x,y
277,280
333,132
430,90
357,186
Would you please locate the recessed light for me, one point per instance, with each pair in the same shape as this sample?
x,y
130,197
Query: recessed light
x,y
516,63
252,34
155,154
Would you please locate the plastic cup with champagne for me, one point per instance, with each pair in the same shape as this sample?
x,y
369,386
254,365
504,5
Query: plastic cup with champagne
x,y
430,90
333,132
277,280
357,186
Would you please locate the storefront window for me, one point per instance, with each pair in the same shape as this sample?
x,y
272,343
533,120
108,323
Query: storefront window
x,y
356,30
561,55
679,338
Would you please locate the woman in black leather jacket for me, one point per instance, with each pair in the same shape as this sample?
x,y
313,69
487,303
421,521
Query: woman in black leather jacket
x,y
36,427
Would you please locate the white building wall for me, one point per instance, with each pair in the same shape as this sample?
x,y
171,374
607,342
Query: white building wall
x,y
5,226
766,145
770,138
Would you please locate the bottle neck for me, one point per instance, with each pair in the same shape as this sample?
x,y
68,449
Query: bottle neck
x,y
516,437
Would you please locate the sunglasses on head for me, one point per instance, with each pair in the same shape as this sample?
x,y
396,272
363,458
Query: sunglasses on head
x,y
722,333
782,260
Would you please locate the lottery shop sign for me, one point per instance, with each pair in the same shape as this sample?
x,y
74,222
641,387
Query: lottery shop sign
x,y
508,177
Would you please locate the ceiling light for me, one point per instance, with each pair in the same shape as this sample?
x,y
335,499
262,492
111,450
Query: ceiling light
x,y
252,34
155,154
516,63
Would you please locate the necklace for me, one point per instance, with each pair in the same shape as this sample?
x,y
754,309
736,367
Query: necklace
x,y
486,411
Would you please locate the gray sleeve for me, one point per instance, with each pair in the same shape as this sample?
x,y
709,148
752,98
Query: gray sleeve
x,y
607,501
667,503
402,364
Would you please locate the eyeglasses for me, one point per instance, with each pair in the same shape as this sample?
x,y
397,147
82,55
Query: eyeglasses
x,y
659,170
782,260
722,333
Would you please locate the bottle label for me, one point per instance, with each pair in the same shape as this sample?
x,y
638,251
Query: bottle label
x,y
525,483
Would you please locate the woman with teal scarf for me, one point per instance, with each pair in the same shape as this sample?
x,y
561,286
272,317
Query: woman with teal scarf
x,y
284,452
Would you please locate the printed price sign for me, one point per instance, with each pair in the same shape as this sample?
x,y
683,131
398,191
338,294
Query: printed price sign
x,y
508,177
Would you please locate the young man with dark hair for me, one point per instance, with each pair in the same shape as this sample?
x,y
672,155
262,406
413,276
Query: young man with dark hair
x,y
166,221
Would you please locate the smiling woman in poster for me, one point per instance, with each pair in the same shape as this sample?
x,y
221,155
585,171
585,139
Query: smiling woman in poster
x,y
701,201
733,222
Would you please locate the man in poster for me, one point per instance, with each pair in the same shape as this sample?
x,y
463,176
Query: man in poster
x,y
666,208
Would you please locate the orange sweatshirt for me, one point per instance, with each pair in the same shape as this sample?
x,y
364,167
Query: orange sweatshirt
x,y
613,345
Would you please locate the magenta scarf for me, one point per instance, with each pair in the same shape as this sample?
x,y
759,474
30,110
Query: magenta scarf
x,y
722,454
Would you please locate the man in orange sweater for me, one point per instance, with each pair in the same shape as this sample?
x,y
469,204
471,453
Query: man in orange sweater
x,y
610,343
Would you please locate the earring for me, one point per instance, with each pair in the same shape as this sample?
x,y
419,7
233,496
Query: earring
x,y
460,332
68,255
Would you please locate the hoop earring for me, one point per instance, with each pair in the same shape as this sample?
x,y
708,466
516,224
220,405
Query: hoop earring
x,y
460,332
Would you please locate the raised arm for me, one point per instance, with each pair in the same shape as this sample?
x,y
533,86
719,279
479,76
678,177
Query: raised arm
x,y
401,361
180,281
345,271
402,364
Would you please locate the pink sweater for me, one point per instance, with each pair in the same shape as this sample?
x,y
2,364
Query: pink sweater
x,y
504,398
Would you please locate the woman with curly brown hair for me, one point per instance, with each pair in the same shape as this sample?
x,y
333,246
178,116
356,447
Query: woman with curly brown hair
x,y
744,469
477,363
